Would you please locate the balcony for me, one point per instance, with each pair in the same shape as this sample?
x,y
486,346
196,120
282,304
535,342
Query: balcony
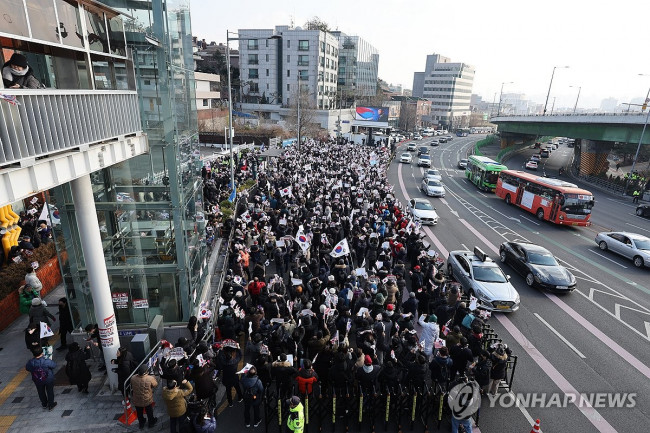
x,y
49,137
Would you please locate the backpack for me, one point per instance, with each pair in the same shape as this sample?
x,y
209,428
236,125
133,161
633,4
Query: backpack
x,y
39,375
482,371
250,393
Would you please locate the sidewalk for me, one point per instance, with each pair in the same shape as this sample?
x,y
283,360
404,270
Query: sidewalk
x,y
20,408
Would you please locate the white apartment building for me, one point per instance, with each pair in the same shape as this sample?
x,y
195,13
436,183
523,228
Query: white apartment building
x,y
274,61
448,86
207,90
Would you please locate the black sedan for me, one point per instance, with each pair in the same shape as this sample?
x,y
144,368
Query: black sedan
x,y
538,266
643,210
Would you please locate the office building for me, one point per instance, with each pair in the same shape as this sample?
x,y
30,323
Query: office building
x,y
357,68
448,86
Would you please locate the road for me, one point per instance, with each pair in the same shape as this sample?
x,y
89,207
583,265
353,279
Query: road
x,y
599,341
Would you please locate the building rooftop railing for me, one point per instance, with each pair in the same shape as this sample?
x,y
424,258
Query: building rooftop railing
x,y
42,122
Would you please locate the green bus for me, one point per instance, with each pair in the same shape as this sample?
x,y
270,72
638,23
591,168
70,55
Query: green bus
x,y
483,172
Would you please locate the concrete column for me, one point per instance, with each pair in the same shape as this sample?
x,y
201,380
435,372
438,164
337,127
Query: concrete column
x,y
91,246
593,156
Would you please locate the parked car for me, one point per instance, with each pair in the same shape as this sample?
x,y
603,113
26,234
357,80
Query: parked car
x,y
406,158
422,211
411,147
462,164
631,245
432,188
538,266
432,174
531,165
423,150
643,210
424,161
481,277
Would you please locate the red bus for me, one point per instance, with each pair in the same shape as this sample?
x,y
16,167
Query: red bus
x,y
550,199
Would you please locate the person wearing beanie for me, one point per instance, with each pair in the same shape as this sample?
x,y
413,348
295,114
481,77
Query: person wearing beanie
x,y
38,313
16,74
143,385
296,419
411,305
174,398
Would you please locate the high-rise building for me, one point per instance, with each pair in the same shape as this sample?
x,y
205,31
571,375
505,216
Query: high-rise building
x,y
357,70
449,88
274,61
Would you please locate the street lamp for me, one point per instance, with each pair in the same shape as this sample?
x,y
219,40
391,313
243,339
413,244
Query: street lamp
x,y
551,84
230,131
500,95
638,148
578,97
645,101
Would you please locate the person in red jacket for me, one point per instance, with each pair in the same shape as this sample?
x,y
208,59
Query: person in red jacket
x,y
255,289
306,378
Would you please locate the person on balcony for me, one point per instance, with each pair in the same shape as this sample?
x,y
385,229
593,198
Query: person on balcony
x,y
16,74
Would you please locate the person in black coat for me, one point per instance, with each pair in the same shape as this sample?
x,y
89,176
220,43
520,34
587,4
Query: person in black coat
x,y
126,364
16,74
417,372
461,355
33,336
76,369
204,386
65,323
481,370
227,361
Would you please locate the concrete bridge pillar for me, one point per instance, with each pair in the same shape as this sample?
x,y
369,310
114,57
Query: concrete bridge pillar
x,y
507,140
593,156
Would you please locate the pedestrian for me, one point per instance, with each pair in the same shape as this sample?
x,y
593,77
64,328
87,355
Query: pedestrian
x,y
499,360
636,194
76,369
430,332
296,419
481,370
93,334
25,296
125,366
65,323
32,281
33,336
38,312
143,385
204,422
16,74
42,371
205,387
227,359
253,391
174,398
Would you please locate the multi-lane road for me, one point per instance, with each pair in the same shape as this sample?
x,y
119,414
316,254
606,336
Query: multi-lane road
x,y
594,340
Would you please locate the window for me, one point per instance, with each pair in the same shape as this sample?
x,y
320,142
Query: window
x,y
205,102
288,72
329,49
252,44
254,88
146,82
303,45
288,88
303,75
252,59
322,47
288,43
267,72
303,60
267,43
327,63
253,73
97,35
321,60
288,58
267,57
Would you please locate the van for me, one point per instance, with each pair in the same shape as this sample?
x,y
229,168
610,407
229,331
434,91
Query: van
x,y
544,153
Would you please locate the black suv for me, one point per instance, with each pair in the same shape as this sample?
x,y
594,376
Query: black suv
x,y
423,150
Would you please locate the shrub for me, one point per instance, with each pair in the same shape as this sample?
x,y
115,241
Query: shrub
x,y
12,274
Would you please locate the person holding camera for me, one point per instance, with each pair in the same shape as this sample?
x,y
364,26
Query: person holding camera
x,y
253,390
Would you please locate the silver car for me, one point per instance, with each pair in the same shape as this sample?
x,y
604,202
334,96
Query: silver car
x,y
481,277
424,161
406,158
432,188
631,245
423,212
432,174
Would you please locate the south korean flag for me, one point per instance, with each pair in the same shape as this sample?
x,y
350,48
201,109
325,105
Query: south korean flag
x,y
285,192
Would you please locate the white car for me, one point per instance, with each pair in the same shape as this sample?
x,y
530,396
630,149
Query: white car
x,y
432,188
434,142
535,158
423,212
462,164
411,147
631,245
417,137
424,161
432,174
531,165
406,158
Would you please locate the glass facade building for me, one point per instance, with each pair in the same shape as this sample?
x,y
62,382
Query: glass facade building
x,y
149,208
358,66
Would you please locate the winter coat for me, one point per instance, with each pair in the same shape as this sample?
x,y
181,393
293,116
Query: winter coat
x,y
208,426
306,380
430,332
142,386
175,399
392,294
229,367
460,356
32,339
38,313
27,81
125,366
65,319
32,281
47,364
499,364
256,387
283,372
368,380
25,299
296,419
203,383
482,372
76,369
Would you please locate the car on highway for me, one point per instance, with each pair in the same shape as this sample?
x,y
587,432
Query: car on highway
x,y
423,150
544,153
535,158
432,174
643,210
449,137
424,161
411,147
538,266
531,165
422,211
631,245
406,158
435,142
432,188
481,277
417,137
462,164
442,140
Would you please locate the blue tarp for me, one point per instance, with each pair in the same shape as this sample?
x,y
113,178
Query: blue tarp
x,y
242,114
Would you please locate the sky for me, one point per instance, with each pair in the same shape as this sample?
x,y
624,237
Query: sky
x,y
604,44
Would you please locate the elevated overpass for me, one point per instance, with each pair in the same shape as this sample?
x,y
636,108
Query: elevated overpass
x,y
595,134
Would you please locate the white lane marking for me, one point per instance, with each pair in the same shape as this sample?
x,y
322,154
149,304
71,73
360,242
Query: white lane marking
x,y
523,410
479,192
464,246
529,220
560,336
607,258
640,228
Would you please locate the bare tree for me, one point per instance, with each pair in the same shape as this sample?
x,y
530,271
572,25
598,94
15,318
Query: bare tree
x,y
407,116
317,24
303,125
